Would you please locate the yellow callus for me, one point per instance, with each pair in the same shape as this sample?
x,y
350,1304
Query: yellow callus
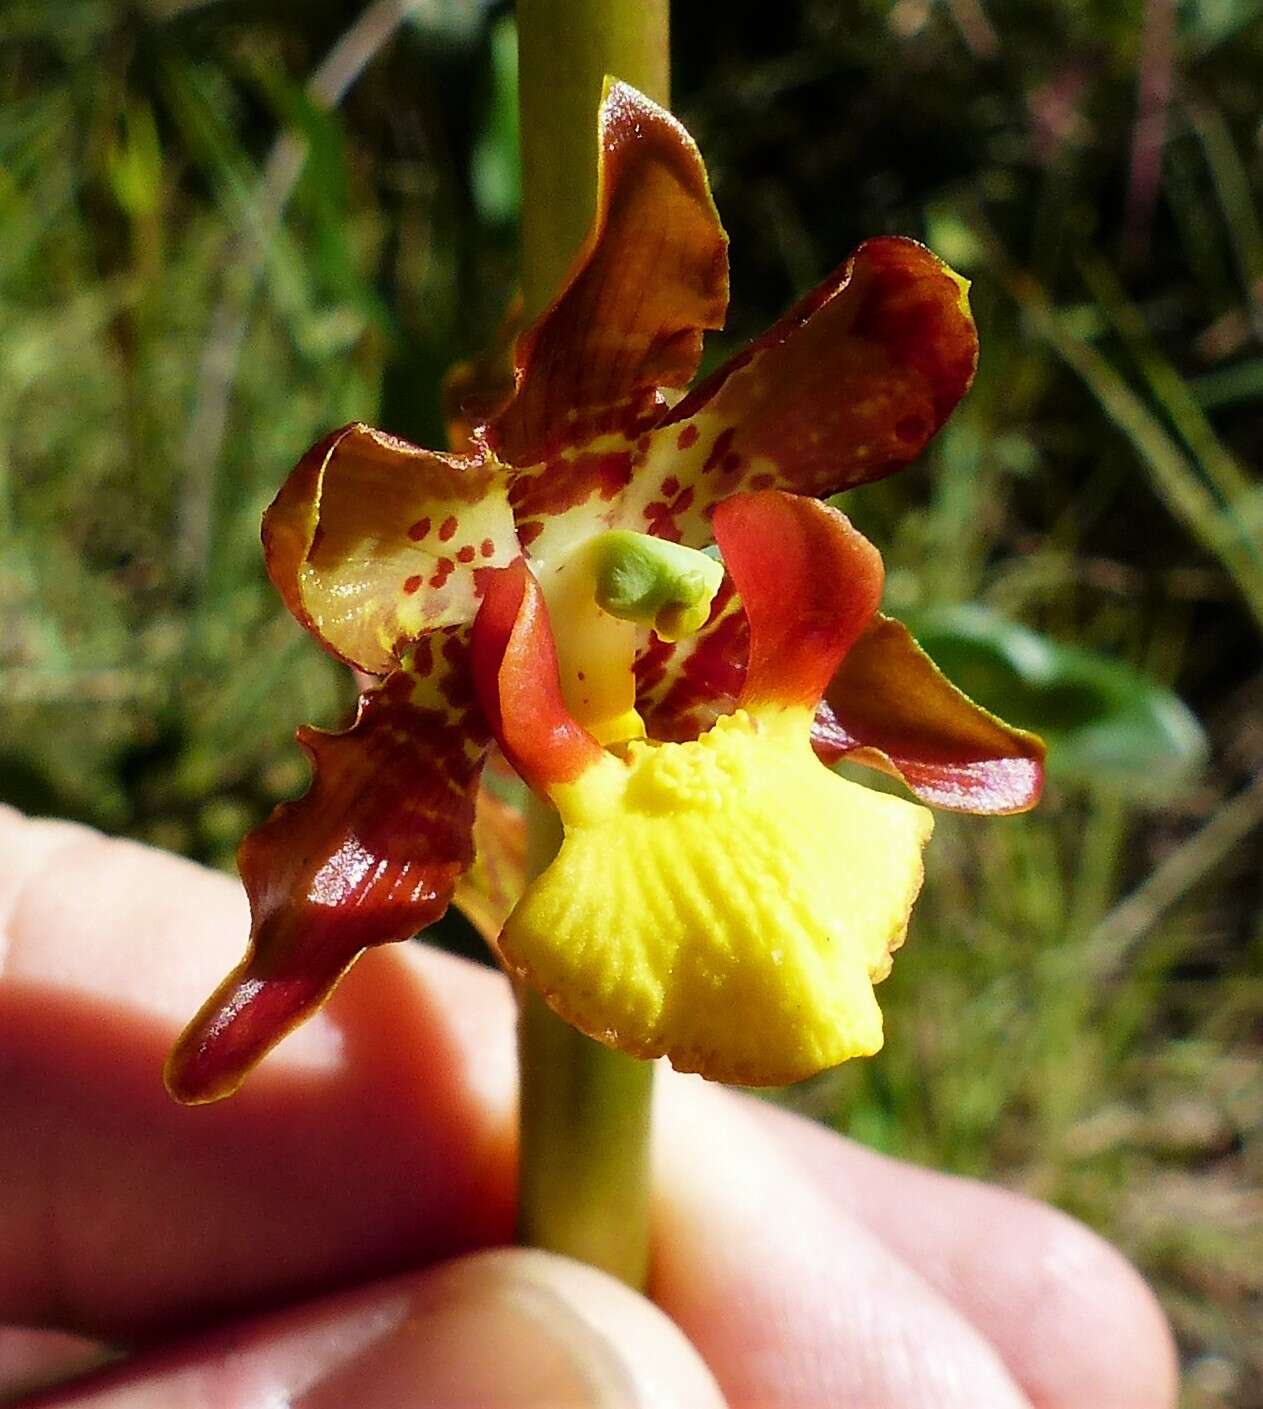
x,y
728,903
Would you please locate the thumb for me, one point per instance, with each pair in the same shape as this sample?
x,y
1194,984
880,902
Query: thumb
x,y
508,1329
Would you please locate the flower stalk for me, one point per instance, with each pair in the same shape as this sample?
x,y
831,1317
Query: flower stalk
x,y
584,1150
565,50
584,1111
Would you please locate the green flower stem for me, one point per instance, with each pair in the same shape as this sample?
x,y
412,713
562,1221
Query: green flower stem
x,y
585,1110
565,49
584,1172
584,1115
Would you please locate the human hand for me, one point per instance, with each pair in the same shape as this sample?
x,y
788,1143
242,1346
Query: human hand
x,y
804,1270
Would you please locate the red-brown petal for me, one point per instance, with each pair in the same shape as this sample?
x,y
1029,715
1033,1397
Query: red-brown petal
x,y
652,275
890,706
369,855
515,674
847,387
373,541
809,583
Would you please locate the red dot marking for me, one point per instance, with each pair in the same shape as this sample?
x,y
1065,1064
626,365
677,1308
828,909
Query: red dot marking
x,y
412,584
688,436
670,486
762,481
447,528
419,529
731,463
721,447
466,554
488,548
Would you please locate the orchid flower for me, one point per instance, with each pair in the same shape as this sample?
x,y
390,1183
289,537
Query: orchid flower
x,y
720,897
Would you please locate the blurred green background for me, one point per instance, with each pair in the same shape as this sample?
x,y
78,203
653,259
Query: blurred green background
x,y
229,226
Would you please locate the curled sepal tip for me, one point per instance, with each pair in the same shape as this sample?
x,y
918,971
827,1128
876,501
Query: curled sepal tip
x,y
370,854
891,707
651,277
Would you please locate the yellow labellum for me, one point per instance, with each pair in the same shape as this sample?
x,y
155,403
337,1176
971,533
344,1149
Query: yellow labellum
x,y
728,903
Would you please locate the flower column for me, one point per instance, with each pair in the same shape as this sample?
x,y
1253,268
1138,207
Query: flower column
x,y
585,1109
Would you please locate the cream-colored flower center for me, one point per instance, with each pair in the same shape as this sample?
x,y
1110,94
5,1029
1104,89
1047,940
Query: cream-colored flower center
x,y
602,596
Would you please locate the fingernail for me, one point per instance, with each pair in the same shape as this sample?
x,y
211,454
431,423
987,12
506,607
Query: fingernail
x,y
517,1328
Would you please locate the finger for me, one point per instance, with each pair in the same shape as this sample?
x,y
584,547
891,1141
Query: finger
x,y
791,1301
1070,1317
500,1329
379,1136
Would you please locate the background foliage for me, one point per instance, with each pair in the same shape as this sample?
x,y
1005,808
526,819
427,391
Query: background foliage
x,y
212,252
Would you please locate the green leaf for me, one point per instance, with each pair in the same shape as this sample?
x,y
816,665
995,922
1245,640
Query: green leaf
x,y
1106,724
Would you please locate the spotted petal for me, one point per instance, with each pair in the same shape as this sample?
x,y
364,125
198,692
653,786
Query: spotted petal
x,y
848,387
373,541
652,275
817,582
683,686
369,855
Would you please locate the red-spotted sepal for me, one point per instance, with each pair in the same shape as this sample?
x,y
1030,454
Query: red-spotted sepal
x,y
848,387
651,276
370,854
515,675
372,542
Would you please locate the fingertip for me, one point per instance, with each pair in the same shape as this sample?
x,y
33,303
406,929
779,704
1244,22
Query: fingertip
x,y
1091,1330
1072,1319
509,1329
788,1297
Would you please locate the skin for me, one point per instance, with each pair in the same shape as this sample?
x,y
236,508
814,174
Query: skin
x,y
377,1141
